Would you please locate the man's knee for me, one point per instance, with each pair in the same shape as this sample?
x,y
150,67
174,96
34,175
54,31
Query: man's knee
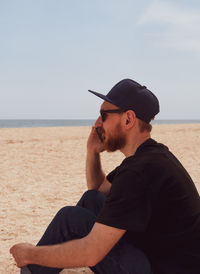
x,y
92,200
93,195
74,215
69,212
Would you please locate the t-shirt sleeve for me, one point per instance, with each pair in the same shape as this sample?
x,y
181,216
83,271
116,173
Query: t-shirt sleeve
x,y
128,204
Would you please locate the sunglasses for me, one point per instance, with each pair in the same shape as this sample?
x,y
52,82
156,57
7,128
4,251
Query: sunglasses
x,y
104,113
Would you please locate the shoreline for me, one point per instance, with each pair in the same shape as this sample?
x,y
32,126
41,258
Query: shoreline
x,y
40,123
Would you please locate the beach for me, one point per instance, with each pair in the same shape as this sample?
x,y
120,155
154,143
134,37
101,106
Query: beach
x,y
43,169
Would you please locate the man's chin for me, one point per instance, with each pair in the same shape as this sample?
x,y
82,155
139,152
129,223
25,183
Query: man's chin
x,y
114,145
110,147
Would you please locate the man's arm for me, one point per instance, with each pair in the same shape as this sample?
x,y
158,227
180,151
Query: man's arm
x,y
95,176
94,173
87,251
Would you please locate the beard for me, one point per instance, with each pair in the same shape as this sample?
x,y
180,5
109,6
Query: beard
x,y
116,141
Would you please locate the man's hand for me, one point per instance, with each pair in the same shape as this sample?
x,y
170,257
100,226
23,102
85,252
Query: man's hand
x,y
21,252
94,144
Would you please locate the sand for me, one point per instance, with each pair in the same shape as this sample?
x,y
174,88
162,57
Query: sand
x,y
43,169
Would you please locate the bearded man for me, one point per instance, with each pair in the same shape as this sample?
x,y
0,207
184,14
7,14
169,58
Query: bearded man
x,y
142,218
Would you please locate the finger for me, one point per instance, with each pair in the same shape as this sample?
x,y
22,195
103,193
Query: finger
x,y
12,249
93,129
98,122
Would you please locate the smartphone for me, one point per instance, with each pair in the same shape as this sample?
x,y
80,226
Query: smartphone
x,y
98,131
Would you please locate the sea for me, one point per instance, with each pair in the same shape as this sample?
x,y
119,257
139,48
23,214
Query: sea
x,y
8,123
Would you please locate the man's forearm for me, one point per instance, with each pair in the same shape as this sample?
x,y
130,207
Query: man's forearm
x,y
87,251
94,173
71,254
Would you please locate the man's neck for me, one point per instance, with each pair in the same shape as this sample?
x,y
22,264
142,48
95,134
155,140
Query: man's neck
x,y
133,144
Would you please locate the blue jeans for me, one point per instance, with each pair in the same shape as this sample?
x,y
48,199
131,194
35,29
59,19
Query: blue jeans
x,y
73,222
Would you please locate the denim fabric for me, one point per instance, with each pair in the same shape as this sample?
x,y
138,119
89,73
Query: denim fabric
x,y
25,270
73,222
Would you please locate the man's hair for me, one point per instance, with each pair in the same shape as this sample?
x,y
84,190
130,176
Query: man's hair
x,y
143,126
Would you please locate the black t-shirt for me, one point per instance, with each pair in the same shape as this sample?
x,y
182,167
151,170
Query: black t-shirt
x,y
153,197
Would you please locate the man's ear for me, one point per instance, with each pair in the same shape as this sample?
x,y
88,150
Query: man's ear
x,y
130,119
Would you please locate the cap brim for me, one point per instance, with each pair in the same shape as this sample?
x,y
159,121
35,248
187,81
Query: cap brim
x,y
102,96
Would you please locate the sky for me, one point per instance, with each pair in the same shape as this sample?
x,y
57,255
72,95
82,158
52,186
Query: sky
x,y
53,51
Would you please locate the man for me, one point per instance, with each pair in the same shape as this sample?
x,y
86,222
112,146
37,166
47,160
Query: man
x,y
143,218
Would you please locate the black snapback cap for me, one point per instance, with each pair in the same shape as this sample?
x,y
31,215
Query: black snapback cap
x,y
130,95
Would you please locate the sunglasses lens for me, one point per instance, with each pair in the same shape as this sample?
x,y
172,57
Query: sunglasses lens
x,y
104,113
103,116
